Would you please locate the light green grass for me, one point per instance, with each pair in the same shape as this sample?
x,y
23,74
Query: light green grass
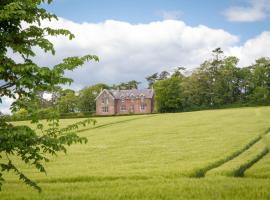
x,y
152,151
150,189
233,167
262,168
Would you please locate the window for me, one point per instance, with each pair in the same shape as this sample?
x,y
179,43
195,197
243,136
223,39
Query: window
x,y
107,101
142,98
132,108
132,97
143,106
122,99
105,109
123,107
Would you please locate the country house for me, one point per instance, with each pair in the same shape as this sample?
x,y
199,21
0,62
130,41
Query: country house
x,y
115,102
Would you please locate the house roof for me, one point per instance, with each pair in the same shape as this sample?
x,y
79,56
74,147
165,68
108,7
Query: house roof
x,y
118,94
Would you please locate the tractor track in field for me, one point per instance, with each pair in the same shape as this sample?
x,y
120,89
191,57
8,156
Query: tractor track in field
x,y
113,123
201,172
242,168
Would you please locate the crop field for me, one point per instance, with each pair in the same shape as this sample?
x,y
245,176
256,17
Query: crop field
x,y
216,154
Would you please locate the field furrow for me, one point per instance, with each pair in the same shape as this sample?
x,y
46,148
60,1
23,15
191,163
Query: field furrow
x,y
218,166
261,169
161,149
239,164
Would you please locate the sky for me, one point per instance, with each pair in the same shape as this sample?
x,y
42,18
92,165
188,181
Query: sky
x,y
212,13
134,39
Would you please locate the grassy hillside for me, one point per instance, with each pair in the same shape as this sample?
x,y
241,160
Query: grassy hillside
x,y
127,156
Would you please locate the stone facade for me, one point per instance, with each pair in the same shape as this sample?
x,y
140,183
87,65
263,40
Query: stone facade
x,y
115,102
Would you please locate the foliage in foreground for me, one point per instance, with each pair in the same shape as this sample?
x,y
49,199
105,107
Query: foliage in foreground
x,y
20,31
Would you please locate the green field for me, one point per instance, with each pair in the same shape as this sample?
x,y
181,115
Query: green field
x,y
193,155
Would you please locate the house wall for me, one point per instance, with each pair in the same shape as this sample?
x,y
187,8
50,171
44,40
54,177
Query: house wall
x,y
136,103
100,104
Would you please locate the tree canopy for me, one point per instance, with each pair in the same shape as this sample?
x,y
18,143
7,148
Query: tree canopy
x,y
216,83
20,31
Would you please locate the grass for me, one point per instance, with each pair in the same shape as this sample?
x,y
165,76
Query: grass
x,y
238,165
152,189
152,156
218,165
261,169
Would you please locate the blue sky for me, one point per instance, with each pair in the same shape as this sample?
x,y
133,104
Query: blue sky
x,y
192,12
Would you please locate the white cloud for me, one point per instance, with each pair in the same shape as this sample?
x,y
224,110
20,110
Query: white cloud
x,y
5,105
133,51
252,49
257,10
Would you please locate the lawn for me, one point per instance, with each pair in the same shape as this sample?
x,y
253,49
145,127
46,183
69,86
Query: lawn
x,y
157,157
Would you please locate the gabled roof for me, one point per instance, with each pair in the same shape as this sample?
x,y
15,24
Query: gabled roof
x,y
107,91
119,94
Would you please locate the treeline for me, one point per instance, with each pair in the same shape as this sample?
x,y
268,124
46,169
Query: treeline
x,y
216,83
68,102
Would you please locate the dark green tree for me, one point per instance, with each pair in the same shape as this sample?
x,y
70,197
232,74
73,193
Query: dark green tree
x,y
87,97
23,80
68,101
126,86
168,95
260,81
152,79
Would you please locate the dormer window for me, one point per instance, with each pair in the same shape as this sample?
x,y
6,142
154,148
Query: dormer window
x,y
132,97
142,98
122,99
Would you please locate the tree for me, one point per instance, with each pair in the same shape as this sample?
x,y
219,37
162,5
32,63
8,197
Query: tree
x,y
152,79
163,75
133,84
177,72
25,79
126,86
87,97
168,95
260,81
68,101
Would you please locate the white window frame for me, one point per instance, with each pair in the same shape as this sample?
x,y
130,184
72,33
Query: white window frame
x,y
122,99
